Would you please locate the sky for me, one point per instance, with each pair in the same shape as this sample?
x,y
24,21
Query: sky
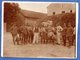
x,y
38,7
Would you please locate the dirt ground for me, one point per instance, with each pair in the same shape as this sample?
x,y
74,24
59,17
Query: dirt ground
x,y
35,50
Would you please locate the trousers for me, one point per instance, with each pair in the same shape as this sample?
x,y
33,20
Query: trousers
x,y
36,38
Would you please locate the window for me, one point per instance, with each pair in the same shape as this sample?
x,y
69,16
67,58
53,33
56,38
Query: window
x,y
53,13
63,11
70,11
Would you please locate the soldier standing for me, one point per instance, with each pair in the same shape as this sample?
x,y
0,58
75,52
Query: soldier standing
x,y
59,35
36,35
69,34
64,34
43,34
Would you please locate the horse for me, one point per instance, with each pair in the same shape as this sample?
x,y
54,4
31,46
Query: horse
x,y
14,33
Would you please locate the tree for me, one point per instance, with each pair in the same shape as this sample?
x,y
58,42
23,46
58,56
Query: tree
x,y
69,18
12,15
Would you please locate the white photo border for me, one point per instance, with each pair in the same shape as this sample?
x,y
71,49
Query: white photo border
x,y
2,24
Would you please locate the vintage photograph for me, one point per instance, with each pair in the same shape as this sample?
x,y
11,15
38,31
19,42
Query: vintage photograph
x,y
39,29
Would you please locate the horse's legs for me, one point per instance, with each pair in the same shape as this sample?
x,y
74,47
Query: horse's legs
x,y
25,39
21,39
41,40
14,40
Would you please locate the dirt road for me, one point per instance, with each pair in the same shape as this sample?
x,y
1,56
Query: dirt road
x,y
34,50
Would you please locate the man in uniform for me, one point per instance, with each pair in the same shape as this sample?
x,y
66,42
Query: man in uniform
x,y
69,34
36,35
59,35
64,34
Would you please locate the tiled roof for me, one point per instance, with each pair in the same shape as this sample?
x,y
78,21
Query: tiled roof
x,y
32,14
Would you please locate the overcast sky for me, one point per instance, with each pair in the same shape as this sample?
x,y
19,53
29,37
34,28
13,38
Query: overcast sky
x,y
38,7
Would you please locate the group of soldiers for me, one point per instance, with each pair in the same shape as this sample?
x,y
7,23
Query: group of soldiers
x,y
61,35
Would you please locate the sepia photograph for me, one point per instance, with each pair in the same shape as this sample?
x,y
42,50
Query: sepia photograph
x,y
39,29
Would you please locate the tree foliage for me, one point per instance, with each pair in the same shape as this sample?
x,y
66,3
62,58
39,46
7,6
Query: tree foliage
x,y
69,18
12,14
